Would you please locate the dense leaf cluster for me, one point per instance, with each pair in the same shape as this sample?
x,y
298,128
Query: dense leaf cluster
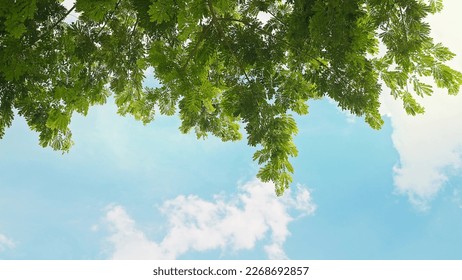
x,y
221,64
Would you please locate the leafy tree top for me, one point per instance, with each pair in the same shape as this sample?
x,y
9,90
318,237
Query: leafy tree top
x,y
219,65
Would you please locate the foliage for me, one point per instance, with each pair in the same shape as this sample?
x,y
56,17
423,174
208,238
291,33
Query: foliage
x,y
219,65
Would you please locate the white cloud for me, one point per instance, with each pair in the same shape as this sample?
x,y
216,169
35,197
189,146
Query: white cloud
x,y
263,17
73,16
429,145
68,3
129,242
5,243
194,224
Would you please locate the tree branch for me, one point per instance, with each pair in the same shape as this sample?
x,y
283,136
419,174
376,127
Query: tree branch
x,y
215,19
199,41
277,18
61,19
108,18
249,24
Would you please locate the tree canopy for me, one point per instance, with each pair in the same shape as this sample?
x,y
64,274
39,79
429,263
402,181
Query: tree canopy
x,y
221,64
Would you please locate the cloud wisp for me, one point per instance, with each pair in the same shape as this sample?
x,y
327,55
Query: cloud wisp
x,y
5,243
227,223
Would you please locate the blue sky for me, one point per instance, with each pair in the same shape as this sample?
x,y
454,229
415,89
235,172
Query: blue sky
x,y
128,191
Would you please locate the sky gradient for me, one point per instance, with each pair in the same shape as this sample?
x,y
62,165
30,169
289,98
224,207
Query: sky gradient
x,y
128,191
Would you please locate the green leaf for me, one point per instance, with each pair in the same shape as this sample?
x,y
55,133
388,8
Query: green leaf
x,y
421,88
410,104
162,10
95,10
436,6
58,120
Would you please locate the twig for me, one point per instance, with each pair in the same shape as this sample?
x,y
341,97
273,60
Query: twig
x,y
277,18
108,18
56,24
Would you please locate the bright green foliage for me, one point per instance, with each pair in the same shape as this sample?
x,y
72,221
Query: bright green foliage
x,y
218,64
